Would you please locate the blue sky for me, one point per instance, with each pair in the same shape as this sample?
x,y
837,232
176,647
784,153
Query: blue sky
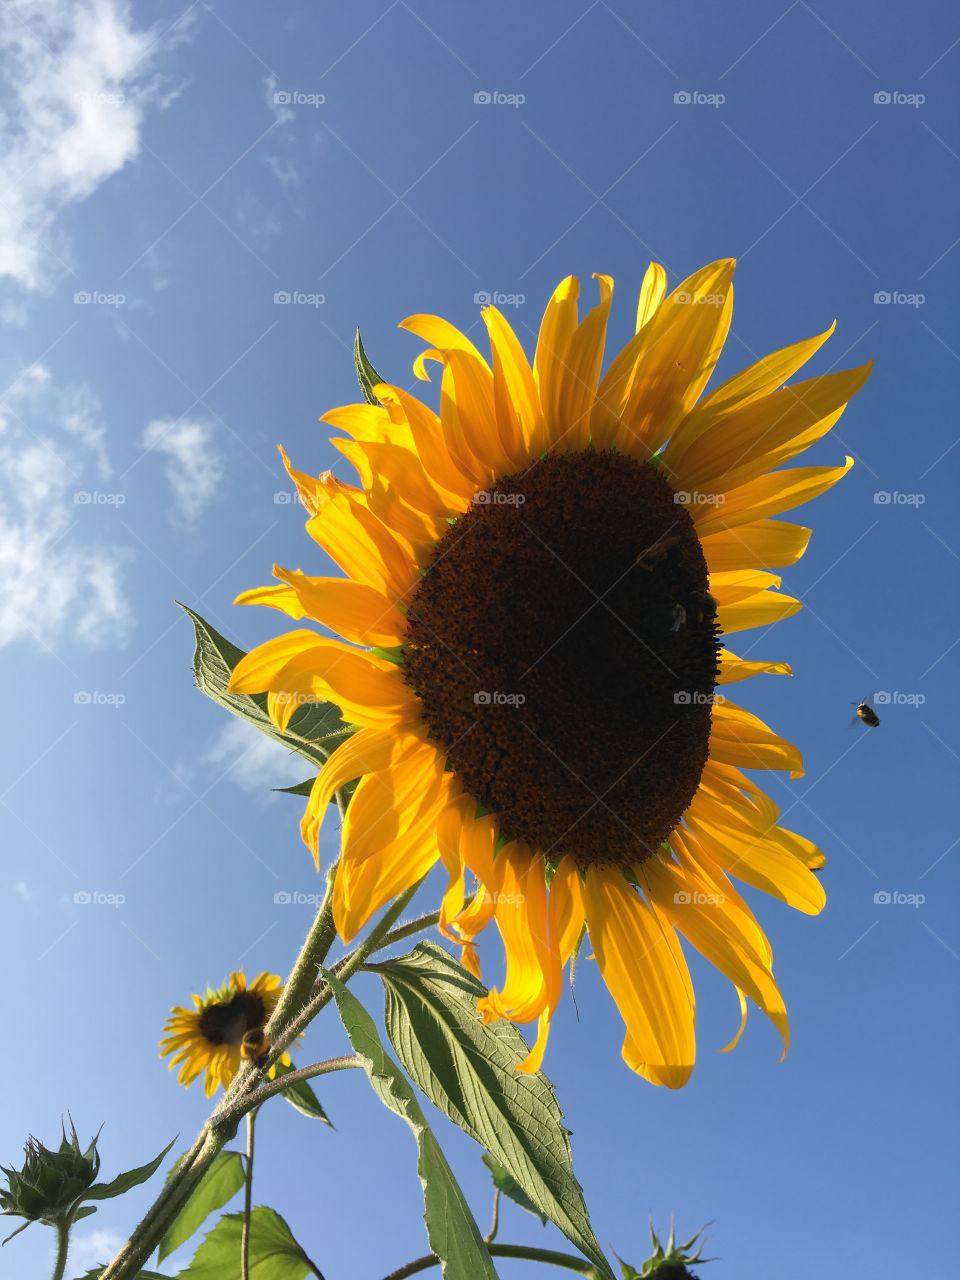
x,y
150,167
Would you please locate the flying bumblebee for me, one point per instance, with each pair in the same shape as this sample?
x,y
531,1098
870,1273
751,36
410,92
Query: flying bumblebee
x,y
866,713
255,1047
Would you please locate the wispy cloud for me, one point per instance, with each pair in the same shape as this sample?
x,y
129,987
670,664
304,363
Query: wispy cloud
x,y
79,77
93,1248
55,585
194,467
253,761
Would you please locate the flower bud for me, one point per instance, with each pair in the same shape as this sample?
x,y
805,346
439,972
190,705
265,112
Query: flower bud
x,y
51,1182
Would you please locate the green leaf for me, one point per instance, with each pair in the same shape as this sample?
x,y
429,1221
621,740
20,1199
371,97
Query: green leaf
x,y
124,1181
315,728
274,1254
468,1070
367,375
300,789
453,1234
511,1188
219,1184
301,1096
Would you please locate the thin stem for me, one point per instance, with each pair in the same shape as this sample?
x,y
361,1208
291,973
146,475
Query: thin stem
x,y
526,1253
63,1246
247,1197
282,1083
344,969
495,1224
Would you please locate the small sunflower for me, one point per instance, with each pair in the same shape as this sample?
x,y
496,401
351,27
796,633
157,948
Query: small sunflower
x,y
209,1037
540,580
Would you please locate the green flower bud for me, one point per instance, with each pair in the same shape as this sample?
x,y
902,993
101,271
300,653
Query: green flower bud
x,y
51,1182
668,1262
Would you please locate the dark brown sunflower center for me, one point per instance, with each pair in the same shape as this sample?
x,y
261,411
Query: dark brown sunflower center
x,y
564,647
229,1022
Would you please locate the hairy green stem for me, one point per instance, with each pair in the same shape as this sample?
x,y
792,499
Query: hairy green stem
x,y
282,1083
495,1224
247,1197
526,1253
63,1246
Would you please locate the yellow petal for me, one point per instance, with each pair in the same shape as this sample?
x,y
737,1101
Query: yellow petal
x,y
356,611
765,433
582,364
739,738
767,496
364,548
703,920
447,471
367,751
519,416
646,974
764,862
659,375
521,914
734,669
759,542
651,294
367,689
550,362
759,610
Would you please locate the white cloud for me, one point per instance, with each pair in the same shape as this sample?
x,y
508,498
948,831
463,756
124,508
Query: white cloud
x,y
93,1248
79,78
55,586
194,468
253,761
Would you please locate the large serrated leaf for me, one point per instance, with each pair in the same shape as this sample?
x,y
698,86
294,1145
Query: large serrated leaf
x,y
274,1253
315,729
469,1070
218,1185
453,1234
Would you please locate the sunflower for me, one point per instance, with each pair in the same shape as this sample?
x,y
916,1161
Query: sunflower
x,y
208,1038
540,581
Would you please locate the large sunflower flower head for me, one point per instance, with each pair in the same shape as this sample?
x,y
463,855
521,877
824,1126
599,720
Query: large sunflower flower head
x,y
540,582
209,1038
